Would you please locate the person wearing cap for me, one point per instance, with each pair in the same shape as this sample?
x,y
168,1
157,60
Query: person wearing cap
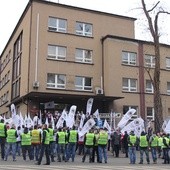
x,y
132,143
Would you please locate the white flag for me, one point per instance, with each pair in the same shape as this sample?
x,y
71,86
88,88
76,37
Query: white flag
x,y
137,125
46,121
82,121
13,110
61,119
96,114
107,126
29,121
88,125
126,118
40,119
35,120
89,106
167,128
71,116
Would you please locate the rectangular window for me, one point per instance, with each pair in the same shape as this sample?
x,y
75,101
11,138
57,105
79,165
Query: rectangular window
x,y
129,85
83,83
167,63
149,86
57,81
150,113
129,58
17,67
150,61
56,52
84,56
127,108
84,29
57,24
168,88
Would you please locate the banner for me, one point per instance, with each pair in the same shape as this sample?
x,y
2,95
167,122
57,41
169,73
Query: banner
x,y
137,125
82,121
107,126
13,110
49,105
71,116
88,125
126,118
61,119
89,106
96,114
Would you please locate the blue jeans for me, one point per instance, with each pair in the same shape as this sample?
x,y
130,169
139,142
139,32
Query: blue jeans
x,y
61,151
132,154
154,153
71,151
146,151
87,150
11,147
102,153
35,150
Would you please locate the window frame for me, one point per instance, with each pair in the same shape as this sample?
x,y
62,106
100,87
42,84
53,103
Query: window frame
x,y
151,59
149,89
57,56
168,63
152,117
83,58
83,87
56,84
57,27
129,60
83,32
129,88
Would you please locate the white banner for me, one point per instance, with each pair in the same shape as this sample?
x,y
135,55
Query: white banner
x,y
96,114
82,121
89,106
61,119
88,125
71,116
107,126
137,125
126,118
13,110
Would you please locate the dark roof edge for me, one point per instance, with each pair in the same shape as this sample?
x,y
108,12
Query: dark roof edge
x,y
131,39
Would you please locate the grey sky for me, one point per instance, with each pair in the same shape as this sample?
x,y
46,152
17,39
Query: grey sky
x,y
11,10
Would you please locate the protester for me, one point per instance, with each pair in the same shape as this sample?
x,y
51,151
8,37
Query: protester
x,y
72,142
102,145
153,141
89,142
35,142
11,143
61,144
45,146
26,144
132,143
165,148
3,135
125,143
144,147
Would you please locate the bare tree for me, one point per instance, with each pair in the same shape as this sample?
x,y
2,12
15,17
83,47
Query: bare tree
x,y
155,78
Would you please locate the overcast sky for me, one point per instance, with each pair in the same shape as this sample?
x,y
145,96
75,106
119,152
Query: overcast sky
x,y
11,10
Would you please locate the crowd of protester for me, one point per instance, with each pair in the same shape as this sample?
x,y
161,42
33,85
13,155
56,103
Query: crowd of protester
x,y
63,144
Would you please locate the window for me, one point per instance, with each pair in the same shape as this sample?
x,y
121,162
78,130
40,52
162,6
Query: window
x,y
168,88
129,85
83,83
149,61
128,58
150,113
149,86
84,29
167,63
57,81
17,67
57,25
56,52
127,108
84,56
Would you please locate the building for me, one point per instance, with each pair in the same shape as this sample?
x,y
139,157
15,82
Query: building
x,y
60,55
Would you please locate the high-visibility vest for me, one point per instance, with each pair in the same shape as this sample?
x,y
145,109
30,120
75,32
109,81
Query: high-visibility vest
x,y
25,139
154,142
11,137
47,138
2,130
61,137
143,141
35,136
132,139
51,132
167,142
73,136
89,139
103,138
